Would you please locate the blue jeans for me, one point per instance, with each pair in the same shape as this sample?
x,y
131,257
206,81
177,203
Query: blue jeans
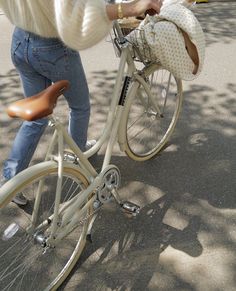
x,y
41,61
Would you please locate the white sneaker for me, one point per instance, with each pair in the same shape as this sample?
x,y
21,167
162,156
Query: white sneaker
x,y
90,144
20,199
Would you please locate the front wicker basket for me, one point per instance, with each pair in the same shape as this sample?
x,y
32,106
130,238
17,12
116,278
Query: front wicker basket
x,y
135,35
128,24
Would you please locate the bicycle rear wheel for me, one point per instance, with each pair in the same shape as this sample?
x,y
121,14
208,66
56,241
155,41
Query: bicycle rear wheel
x,y
26,262
151,112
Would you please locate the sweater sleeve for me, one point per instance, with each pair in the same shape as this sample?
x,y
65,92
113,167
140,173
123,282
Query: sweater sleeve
x,y
81,23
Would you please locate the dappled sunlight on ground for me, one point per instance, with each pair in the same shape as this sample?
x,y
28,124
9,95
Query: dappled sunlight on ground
x,y
184,237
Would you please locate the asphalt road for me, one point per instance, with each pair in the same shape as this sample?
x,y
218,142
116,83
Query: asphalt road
x,y
185,236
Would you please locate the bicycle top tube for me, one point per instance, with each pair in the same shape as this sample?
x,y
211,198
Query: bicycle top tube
x,y
40,105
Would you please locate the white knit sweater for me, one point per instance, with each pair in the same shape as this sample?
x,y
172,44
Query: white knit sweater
x,y
78,23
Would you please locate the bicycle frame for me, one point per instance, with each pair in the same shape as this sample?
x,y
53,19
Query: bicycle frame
x,y
112,132
60,137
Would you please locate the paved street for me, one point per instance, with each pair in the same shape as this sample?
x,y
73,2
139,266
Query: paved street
x,y
185,236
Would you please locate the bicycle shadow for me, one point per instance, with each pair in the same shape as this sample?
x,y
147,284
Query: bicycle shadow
x,y
126,255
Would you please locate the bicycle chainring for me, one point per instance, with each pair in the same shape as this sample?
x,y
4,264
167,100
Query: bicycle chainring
x,y
110,181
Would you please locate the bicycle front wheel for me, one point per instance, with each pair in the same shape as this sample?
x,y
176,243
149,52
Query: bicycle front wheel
x,y
27,263
151,112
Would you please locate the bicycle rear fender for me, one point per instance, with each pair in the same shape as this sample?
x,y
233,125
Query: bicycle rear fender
x,y
11,188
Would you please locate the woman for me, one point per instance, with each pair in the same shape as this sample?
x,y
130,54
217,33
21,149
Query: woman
x,y
45,45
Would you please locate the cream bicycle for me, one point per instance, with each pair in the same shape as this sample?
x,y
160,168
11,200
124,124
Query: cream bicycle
x,y
65,192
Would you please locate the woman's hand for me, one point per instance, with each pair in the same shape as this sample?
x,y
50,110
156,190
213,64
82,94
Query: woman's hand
x,y
134,8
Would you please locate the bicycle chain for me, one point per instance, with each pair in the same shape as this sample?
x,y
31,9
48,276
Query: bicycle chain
x,y
81,222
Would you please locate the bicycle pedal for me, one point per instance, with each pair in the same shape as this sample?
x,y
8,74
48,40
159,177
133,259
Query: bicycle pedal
x,y
130,208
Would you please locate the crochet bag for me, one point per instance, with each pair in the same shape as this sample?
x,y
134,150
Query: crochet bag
x,y
176,40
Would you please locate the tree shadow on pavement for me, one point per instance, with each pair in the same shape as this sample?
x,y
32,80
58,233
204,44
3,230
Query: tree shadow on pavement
x,y
219,25
184,237
125,255
163,247
196,173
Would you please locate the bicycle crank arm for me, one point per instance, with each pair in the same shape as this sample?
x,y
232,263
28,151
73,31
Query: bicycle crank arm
x,y
130,208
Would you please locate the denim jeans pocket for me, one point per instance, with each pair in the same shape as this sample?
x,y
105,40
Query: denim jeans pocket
x,y
16,55
52,60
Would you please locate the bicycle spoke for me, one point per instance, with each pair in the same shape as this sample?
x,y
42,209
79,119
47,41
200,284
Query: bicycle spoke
x,y
150,118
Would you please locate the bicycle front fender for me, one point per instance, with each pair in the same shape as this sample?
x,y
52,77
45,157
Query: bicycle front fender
x,y
139,80
122,126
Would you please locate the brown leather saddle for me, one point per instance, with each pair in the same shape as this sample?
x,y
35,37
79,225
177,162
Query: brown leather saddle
x,y
39,105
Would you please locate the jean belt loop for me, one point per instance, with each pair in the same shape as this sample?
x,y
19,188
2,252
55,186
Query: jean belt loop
x,y
27,36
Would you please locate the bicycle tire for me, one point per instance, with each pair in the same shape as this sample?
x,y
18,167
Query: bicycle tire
x,y
145,131
24,265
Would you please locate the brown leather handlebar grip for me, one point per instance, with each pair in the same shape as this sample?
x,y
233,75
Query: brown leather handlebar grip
x,y
150,12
